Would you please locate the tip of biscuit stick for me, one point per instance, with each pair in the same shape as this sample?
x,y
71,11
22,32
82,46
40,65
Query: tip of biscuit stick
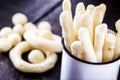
x,y
81,30
76,49
90,7
63,16
80,4
102,28
66,5
80,8
117,25
102,7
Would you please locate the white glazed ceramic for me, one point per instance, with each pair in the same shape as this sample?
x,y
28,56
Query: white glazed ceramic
x,y
75,69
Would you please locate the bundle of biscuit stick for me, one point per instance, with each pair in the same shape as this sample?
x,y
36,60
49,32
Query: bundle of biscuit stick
x,y
85,36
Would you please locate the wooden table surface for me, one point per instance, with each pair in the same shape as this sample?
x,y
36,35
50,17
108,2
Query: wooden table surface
x,y
44,10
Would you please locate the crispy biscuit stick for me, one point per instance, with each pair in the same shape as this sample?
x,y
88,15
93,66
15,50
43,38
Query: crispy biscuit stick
x,y
90,8
80,9
67,29
87,21
66,5
100,32
87,45
117,44
108,49
98,14
76,24
76,49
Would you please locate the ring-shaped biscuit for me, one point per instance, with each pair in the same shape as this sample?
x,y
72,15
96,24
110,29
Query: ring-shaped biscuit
x,y
24,66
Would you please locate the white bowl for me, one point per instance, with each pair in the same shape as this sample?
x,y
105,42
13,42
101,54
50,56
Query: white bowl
x,y
76,69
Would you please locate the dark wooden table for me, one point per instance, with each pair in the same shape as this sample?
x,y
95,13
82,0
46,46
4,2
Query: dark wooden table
x,y
44,10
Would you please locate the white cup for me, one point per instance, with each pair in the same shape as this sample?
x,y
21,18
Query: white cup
x,y
73,68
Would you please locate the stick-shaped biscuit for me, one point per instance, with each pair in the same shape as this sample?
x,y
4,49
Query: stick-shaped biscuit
x,y
76,24
108,48
90,8
98,14
80,9
67,29
87,21
117,44
100,33
87,46
66,5
77,50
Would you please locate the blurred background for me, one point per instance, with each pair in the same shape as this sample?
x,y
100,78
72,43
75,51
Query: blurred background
x,y
44,10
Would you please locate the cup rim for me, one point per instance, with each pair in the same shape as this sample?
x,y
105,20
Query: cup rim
x,y
87,62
